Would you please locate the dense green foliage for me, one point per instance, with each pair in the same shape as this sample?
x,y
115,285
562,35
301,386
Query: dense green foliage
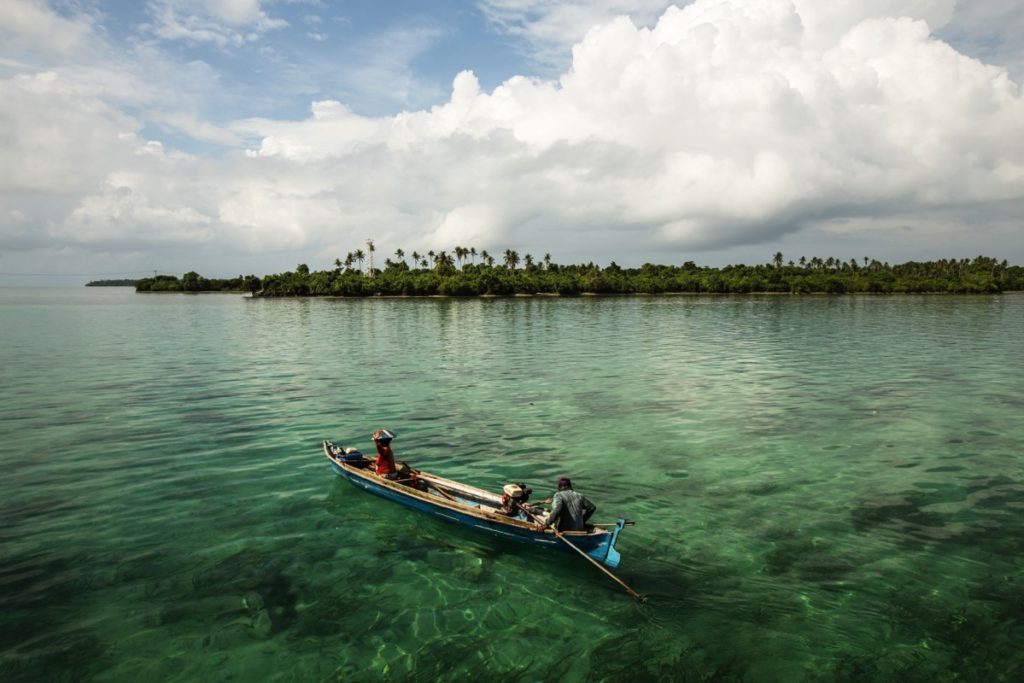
x,y
194,282
112,283
441,276
815,275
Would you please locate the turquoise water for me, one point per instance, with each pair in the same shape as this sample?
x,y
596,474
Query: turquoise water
x,y
825,489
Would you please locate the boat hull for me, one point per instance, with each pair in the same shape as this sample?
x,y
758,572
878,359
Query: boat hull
x,y
599,544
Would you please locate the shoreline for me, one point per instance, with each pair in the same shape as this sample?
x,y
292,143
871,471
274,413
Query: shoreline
x,y
598,295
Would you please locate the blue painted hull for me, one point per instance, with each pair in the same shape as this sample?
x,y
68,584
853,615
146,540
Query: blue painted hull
x,y
599,544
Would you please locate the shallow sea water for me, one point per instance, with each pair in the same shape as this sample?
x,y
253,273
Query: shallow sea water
x,y
824,488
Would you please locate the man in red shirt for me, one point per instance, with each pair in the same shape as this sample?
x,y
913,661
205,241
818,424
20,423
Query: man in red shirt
x,y
385,465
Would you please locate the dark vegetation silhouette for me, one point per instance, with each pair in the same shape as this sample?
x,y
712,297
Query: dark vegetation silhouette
x,y
194,282
126,282
441,274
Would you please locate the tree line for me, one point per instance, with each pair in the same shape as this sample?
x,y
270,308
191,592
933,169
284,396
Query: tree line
x,y
468,272
124,282
194,282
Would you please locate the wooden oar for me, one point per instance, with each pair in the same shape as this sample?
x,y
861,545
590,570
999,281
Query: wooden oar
x,y
559,535
433,486
441,491
416,471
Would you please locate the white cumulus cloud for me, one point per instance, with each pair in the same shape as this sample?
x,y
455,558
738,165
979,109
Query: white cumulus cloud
x,y
31,25
723,123
549,29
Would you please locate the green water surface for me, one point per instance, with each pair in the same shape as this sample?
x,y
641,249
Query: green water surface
x,y
824,488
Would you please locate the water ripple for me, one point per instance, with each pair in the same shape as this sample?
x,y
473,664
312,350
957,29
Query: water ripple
x,y
825,488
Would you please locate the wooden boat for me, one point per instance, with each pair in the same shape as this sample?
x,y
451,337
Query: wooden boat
x,y
469,506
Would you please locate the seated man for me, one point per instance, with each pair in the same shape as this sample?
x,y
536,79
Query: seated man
x,y
385,465
569,509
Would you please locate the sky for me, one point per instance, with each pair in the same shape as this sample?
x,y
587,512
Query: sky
x,y
248,136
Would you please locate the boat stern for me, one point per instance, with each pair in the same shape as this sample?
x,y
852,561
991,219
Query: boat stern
x,y
606,553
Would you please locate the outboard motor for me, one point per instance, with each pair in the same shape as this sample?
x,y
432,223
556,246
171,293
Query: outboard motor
x,y
352,456
514,495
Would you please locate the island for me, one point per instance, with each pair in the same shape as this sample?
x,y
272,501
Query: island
x,y
125,282
461,275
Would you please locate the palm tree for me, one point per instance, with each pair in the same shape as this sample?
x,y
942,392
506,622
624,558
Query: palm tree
x,y
528,262
400,255
337,264
547,261
486,257
777,259
431,255
472,254
349,258
415,258
442,262
359,256
803,261
511,259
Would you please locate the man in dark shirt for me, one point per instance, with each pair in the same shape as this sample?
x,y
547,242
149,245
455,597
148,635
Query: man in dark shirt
x,y
569,509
